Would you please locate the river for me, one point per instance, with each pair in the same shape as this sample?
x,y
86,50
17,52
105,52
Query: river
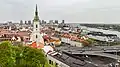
x,y
101,30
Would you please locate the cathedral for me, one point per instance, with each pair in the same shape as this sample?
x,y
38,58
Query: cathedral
x,y
36,37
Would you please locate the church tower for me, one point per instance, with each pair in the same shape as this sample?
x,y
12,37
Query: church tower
x,y
36,36
36,26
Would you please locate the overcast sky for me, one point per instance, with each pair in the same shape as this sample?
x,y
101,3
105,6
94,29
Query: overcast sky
x,y
69,10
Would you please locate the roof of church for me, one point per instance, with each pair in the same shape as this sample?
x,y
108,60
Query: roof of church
x,y
34,45
36,18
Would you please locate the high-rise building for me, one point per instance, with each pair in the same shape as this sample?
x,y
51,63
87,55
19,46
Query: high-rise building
x,y
9,23
43,22
51,21
21,22
56,21
29,22
63,21
36,37
26,22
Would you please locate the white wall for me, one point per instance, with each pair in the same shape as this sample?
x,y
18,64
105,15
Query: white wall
x,y
77,44
66,40
101,38
57,29
60,64
73,43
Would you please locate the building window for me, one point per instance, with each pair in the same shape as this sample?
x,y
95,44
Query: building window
x,y
36,26
50,61
36,36
56,64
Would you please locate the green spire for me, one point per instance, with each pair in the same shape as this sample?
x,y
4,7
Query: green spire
x,y
36,18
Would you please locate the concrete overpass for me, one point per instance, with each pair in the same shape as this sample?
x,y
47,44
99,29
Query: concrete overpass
x,y
94,53
94,50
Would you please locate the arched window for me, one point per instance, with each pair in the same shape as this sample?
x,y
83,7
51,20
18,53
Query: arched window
x,y
36,26
36,36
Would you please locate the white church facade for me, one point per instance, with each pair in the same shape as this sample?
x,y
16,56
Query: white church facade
x,y
36,37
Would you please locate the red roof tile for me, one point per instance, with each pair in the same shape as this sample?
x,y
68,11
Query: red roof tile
x,y
34,45
22,33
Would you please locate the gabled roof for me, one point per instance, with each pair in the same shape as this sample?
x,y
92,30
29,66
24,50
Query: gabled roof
x,y
23,33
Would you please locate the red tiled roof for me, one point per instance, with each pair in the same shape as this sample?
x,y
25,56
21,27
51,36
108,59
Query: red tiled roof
x,y
46,37
23,33
34,45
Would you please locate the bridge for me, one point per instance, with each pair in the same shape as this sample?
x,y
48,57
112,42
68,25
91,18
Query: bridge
x,y
94,53
94,49
98,50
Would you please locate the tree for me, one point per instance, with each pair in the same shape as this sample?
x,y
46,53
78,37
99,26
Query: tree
x,y
29,57
90,41
7,58
33,57
20,56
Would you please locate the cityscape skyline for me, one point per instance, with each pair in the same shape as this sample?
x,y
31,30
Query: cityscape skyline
x,y
69,10
53,43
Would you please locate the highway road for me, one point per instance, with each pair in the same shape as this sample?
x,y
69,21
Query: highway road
x,y
93,53
99,51
90,51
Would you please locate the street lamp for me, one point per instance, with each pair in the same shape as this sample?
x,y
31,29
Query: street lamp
x,y
117,61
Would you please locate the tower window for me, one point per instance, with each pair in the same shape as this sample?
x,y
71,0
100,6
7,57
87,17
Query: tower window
x,y
36,36
36,26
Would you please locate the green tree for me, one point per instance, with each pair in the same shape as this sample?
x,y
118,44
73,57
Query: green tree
x,y
30,57
90,41
7,58
34,57
21,56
